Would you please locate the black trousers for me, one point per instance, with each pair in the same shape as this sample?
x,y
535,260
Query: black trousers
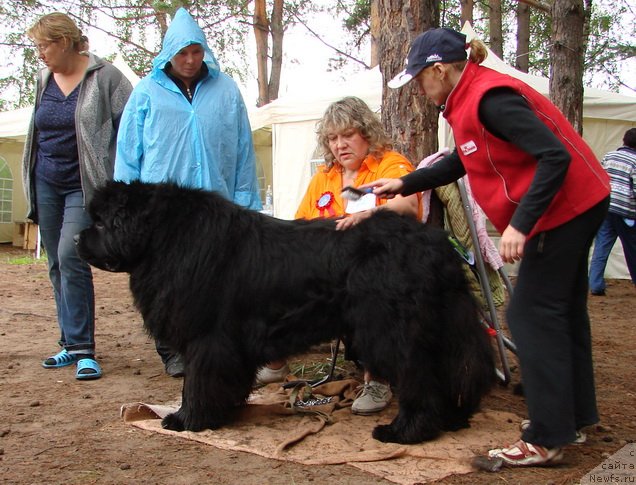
x,y
549,323
164,351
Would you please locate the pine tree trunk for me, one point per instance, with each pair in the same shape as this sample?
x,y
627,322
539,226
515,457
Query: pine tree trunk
x,y
466,15
566,59
277,30
408,117
496,36
263,28
375,33
261,34
522,59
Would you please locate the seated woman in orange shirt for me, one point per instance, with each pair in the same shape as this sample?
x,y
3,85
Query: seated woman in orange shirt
x,y
357,151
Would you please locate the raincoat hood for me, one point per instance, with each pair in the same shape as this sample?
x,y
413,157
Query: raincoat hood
x,y
182,32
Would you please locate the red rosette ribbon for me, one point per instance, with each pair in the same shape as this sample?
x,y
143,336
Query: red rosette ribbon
x,y
324,203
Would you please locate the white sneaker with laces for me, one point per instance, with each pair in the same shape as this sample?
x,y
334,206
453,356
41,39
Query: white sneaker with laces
x,y
265,375
523,453
372,398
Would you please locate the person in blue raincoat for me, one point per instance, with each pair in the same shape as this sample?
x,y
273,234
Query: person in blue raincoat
x,y
186,122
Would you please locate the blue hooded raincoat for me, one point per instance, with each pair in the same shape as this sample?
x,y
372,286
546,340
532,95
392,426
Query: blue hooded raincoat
x,y
207,144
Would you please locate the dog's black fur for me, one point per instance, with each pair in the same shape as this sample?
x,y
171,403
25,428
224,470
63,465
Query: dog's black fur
x,y
232,289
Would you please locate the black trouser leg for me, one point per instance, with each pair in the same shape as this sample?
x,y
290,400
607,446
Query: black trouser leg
x,y
164,351
549,322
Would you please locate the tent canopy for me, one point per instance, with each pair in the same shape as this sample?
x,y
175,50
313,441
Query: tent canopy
x,y
14,123
299,107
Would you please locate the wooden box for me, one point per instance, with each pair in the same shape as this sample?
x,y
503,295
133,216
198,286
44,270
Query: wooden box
x,y
25,235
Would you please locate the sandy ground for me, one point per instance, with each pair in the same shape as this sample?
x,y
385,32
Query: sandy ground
x,y
54,429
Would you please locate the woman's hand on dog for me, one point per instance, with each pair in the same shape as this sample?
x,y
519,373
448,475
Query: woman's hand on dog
x,y
353,219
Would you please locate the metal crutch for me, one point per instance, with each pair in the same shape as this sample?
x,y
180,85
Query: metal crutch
x,y
503,342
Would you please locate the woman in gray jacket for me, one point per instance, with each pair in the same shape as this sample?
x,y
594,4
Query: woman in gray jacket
x,y
69,152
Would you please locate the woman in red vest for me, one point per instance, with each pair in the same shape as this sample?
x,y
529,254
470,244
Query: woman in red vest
x,y
546,193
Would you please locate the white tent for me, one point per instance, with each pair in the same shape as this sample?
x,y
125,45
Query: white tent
x,y
290,121
13,129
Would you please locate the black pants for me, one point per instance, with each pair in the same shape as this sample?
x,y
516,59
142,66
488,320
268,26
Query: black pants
x,y
164,351
550,325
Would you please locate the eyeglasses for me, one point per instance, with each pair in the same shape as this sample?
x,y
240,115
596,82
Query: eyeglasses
x,y
42,46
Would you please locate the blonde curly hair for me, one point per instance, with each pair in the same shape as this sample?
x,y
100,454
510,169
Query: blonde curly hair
x,y
58,27
345,114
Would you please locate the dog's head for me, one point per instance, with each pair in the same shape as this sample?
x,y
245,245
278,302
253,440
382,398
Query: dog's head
x,y
121,230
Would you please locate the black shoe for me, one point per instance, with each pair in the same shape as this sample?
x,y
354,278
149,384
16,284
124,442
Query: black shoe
x,y
598,293
175,366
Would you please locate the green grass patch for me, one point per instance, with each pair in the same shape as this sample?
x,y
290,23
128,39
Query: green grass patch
x,y
312,370
21,260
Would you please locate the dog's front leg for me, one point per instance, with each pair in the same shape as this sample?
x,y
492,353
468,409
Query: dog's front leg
x,y
420,406
216,383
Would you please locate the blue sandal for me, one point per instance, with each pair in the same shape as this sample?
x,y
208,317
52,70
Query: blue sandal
x,y
88,369
61,359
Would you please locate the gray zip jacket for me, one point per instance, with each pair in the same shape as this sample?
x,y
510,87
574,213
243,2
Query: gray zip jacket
x,y
100,103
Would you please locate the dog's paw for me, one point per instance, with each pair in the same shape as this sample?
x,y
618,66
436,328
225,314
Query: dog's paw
x,y
172,422
389,434
385,434
456,424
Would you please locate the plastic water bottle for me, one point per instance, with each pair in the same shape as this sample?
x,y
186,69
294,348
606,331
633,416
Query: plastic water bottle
x,y
268,207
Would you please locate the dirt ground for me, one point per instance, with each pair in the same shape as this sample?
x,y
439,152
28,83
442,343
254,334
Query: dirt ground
x,y
55,429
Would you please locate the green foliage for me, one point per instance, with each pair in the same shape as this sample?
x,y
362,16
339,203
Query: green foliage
x,y
450,14
608,45
540,34
17,78
357,20
608,42
134,30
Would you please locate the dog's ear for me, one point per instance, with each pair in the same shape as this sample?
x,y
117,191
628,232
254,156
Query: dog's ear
x,y
136,194
122,206
105,196
123,199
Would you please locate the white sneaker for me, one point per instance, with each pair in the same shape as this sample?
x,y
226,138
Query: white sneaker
x,y
372,398
527,454
265,375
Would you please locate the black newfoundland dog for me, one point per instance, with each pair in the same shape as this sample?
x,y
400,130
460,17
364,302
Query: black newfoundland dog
x,y
232,289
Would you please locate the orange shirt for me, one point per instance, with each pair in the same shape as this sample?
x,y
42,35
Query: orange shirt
x,y
391,165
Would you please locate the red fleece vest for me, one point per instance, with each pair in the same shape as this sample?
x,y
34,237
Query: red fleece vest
x,y
500,173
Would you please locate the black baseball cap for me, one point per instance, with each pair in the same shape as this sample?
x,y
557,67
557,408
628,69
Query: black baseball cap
x,y
434,45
